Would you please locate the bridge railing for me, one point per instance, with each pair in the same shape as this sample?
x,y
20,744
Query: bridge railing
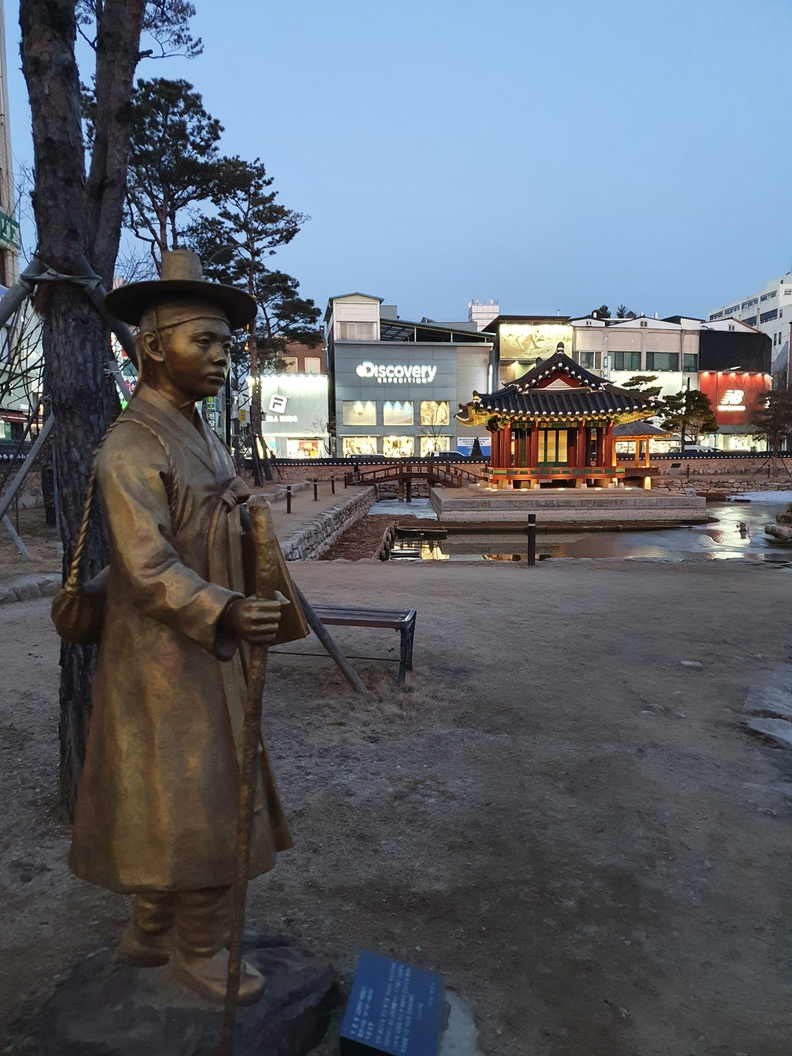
x,y
448,473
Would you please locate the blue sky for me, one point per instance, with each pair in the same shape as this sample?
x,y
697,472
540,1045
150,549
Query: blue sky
x,y
550,155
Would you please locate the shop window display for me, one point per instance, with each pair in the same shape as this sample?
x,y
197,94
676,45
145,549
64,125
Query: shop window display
x,y
359,412
398,446
435,412
304,449
434,445
397,412
353,446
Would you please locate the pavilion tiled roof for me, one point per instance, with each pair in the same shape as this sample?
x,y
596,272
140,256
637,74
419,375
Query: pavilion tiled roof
x,y
591,397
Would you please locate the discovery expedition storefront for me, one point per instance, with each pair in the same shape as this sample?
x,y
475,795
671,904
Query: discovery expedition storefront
x,y
395,386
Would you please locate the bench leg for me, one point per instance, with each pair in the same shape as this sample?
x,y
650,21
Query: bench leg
x,y
404,663
405,660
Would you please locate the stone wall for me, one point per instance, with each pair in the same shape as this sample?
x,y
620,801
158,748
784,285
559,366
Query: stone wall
x,y
321,533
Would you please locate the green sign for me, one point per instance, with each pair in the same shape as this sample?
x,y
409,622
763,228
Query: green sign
x,y
9,233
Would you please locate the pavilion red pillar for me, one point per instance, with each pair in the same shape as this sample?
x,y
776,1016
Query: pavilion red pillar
x,y
533,448
507,447
582,446
495,454
610,446
600,459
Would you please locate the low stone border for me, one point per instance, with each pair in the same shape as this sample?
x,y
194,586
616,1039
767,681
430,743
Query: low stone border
x,y
29,586
322,532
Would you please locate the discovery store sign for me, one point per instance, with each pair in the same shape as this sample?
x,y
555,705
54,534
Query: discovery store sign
x,y
400,374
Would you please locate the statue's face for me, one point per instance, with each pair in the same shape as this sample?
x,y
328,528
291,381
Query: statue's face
x,y
196,356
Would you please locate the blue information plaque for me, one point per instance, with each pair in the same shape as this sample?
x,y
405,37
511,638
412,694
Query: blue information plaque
x,y
394,1008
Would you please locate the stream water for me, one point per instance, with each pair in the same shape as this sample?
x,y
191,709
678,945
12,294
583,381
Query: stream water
x,y
735,531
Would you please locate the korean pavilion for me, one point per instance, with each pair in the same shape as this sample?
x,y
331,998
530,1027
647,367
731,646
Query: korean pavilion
x,y
555,425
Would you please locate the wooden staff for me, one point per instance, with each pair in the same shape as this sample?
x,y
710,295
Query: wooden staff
x,y
265,545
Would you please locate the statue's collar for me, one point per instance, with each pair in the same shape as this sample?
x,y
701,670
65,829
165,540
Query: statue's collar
x,y
195,434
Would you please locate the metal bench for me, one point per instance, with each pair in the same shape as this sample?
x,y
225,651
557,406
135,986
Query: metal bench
x,y
401,620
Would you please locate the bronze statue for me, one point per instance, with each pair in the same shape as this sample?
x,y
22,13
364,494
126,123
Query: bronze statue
x,y
156,808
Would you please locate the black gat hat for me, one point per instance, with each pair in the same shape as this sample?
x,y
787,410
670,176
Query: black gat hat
x,y
181,277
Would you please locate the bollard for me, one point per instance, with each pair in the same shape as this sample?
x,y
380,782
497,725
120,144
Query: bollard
x,y
531,539
346,481
316,491
332,484
409,489
288,498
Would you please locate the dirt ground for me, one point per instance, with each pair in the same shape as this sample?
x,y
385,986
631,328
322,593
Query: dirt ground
x,y
567,824
41,540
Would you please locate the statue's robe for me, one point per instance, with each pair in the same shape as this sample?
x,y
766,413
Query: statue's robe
x,y
157,801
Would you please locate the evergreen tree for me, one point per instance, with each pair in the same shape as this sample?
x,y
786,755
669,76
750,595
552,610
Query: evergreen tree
x,y
689,413
771,419
643,383
248,227
78,209
174,161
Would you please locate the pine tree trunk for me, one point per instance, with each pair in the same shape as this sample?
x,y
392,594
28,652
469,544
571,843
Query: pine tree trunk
x,y
77,218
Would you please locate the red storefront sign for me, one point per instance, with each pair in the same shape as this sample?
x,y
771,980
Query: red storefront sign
x,y
734,394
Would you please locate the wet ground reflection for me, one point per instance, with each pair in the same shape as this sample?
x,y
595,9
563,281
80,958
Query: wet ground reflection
x,y
736,532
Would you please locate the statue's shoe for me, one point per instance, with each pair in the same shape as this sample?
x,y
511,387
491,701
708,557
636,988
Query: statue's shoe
x,y
208,977
144,951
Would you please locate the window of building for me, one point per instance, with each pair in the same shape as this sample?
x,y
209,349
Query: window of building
x,y
730,311
359,412
359,445
644,322
746,304
662,361
589,360
553,446
767,317
768,296
435,412
751,321
398,446
356,331
690,362
433,445
626,360
397,412
304,449
717,315
291,364
313,365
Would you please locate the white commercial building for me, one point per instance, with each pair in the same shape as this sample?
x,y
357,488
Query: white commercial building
x,y
769,310
620,349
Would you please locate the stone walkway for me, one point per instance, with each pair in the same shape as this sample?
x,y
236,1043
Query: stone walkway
x,y
311,526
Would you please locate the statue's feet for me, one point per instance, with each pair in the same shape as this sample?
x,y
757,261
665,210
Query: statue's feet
x,y
142,950
208,977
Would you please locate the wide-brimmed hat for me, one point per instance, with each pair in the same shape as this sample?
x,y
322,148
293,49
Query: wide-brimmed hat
x,y
181,276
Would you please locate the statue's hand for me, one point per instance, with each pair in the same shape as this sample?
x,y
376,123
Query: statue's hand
x,y
253,620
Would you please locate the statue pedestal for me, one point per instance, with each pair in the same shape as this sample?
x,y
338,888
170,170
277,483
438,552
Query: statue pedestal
x,y
105,1008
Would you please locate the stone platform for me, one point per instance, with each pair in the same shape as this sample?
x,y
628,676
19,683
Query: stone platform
x,y
104,1008
566,508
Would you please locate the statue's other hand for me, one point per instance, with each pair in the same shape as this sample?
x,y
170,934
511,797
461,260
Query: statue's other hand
x,y
253,620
